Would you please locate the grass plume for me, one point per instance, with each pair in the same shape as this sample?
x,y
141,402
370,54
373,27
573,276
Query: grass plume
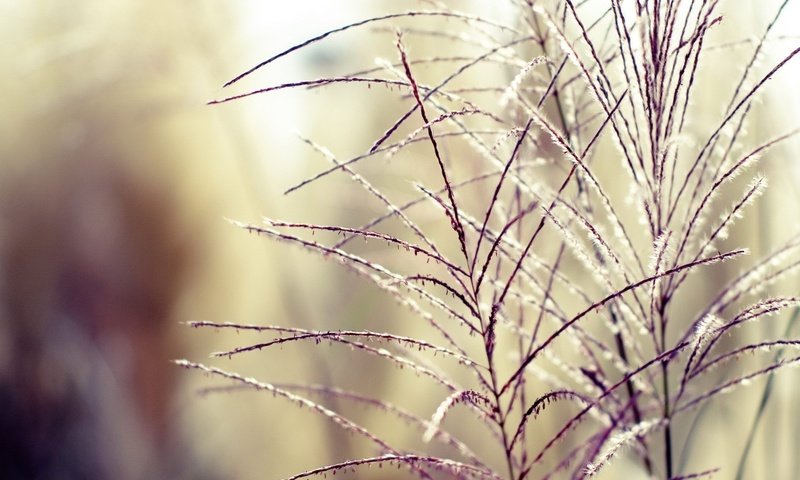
x,y
525,253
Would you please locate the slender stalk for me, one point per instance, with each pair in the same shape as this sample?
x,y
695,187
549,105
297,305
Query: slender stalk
x,y
667,413
762,404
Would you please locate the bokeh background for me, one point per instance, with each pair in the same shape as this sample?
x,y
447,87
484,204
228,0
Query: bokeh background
x,y
115,183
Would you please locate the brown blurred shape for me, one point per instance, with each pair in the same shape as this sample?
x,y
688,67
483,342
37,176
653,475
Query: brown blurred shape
x,y
94,261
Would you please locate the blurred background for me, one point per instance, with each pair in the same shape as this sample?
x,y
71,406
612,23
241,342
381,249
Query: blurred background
x,y
115,183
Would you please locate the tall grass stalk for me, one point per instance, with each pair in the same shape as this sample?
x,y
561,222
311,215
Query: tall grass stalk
x,y
582,210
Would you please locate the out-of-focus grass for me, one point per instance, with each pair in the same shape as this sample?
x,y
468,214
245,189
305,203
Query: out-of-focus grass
x,y
114,183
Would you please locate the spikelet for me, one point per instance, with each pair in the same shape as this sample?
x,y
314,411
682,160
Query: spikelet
x,y
414,462
618,442
463,396
513,88
754,190
705,330
660,254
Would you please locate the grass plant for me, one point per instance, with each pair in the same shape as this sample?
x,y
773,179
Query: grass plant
x,y
567,212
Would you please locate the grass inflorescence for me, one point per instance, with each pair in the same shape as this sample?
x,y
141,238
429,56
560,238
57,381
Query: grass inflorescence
x,y
554,255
